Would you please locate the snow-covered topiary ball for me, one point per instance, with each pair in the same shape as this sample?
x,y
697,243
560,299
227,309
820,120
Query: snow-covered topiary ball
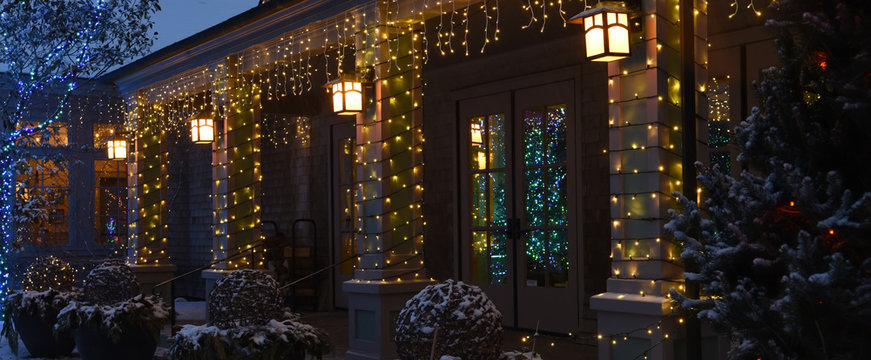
x,y
244,297
46,273
111,282
464,321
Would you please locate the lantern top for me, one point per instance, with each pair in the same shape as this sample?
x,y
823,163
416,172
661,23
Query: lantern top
x,y
345,77
205,113
602,6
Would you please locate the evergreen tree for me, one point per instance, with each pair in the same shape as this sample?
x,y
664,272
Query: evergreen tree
x,y
783,250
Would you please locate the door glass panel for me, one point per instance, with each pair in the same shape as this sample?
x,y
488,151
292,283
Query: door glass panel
x,y
556,134
488,188
558,258
556,196
536,255
535,187
545,209
533,142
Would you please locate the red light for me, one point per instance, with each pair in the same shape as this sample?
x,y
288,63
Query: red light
x,y
792,203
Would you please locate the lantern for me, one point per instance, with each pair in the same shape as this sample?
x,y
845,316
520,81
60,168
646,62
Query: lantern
x,y
347,95
116,149
606,31
203,127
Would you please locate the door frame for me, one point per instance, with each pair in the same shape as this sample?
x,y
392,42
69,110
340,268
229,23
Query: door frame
x,y
335,125
571,73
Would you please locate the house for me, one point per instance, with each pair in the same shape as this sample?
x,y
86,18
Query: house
x,y
485,147
65,172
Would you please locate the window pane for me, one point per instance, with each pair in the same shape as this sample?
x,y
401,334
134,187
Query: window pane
x,y
479,200
478,148
533,142
496,140
556,196
55,134
558,258
42,203
536,256
535,201
556,134
498,202
478,267
498,258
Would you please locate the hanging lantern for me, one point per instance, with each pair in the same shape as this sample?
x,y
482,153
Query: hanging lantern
x,y
203,127
606,31
347,95
476,134
116,149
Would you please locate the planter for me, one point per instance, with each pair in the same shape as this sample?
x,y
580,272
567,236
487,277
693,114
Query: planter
x,y
38,336
95,344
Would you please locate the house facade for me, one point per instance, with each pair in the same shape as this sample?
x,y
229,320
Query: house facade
x,y
487,149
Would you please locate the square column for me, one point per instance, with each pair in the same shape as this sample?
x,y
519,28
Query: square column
x,y
636,316
148,190
389,193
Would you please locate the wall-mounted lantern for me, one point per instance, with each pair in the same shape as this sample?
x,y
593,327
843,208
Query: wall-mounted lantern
x,y
606,31
116,149
347,93
203,127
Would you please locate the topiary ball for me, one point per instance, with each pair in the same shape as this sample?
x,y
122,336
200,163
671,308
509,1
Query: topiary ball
x,y
111,282
243,298
468,323
46,273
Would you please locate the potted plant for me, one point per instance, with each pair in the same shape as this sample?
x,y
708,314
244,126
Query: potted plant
x,y
47,287
114,321
246,321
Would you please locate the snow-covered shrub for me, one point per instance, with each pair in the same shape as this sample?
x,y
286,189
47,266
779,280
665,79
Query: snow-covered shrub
x,y
112,304
111,282
114,320
244,297
46,304
46,273
281,338
468,323
246,321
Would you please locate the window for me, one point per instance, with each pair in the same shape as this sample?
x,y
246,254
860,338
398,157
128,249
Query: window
x,y
55,134
110,203
42,203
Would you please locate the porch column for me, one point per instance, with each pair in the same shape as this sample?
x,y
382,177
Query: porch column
x,y
236,173
149,213
635,316
389,194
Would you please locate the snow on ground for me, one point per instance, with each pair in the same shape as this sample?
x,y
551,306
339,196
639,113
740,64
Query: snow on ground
x,y
190,311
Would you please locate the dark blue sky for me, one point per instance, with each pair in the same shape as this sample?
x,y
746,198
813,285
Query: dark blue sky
x,y
179,19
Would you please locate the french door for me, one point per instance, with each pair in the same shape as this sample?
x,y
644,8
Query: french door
x,y
519,239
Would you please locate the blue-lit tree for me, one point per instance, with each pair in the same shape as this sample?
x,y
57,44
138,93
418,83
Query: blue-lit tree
x,y
55,46
783,251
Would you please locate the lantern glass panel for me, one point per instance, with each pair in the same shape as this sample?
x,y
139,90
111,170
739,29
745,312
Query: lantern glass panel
x,y
338,101
618,39
117,149
595,39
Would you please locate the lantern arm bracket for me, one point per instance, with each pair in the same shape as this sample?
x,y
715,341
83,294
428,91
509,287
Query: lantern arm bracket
x,y
630,6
